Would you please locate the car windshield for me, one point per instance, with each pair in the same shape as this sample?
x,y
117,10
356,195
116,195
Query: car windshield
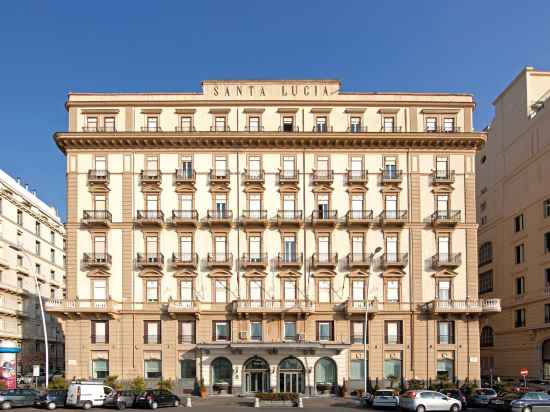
x,y
384,393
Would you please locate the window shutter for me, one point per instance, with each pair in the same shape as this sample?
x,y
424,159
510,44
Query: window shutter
x,y
213,331
331,330
107,331
317,330
400,331
93,331
159,337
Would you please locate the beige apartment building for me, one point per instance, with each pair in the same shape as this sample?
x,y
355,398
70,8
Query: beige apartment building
x,y
32,241
242,235
513,190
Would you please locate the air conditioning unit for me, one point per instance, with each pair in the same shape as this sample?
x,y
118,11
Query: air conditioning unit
x,y
300,337
243,335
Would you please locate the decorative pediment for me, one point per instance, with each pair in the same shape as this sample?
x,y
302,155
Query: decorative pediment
x,y
185,189
150,188
324,273
393,273
255,274
445,273
357,189
289,274
322,189
358,274
219,273
150,273
390,189
442,189
253,188
98,273
217,188
99,188
185,273
288,188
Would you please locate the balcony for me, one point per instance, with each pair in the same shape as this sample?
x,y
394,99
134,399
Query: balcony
x,y
254,218
185,217
390,129
151,176
219,260
443,177
219,176
150,260
463,306
96,218
356,128
185,176
393,217
254,260
391,176
253,176
446,260
150,217
360,306
220,128
442,129
185,129
289,217
321,128
288,128
78,306
184,260
99,129
151,129
273,306
324,217
182,306
359,260
324,260
289,177
359,217
290,260
359,177
96,177
97,260
219,217
445,218
394,260
322,176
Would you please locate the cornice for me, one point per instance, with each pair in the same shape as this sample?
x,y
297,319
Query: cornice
x,y
272,140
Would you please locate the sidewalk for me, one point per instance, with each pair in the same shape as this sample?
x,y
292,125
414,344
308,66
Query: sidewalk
x,y
234,402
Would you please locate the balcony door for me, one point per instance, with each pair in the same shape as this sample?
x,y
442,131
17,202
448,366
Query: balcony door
x,y
357,248
186,205
323,164
390,167
442,167
444,290
151,248
221,204
391,206
322,205
220,164
186,248
100,164
100,289
186,290
358,290
290,292
221,249
357,206
255,286
443,247
152,163
356,164
324,248
289,248
100,248
152,203
187,166
391,248
289,202
289,166
254,167
255,205
443,206
255,248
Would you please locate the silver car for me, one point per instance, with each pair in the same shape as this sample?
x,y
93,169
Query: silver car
x,y
422,401
385,398
531,402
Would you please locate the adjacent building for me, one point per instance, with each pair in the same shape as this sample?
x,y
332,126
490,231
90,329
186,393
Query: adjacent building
x,y
32,247
243,235
513,190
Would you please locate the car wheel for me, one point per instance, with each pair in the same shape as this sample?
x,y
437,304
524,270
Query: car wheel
x,y
454,408
6,405
420,408
51,406
154,405
526,409
87,405
176,403
121,405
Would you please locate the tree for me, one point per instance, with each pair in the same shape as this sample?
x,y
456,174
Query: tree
x,y
138,384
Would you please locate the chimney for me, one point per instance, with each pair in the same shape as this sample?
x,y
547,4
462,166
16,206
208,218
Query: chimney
x,y
33,191
26,187
18,179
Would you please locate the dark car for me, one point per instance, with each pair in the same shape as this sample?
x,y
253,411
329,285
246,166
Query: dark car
x,y
458,395
18,397
54,398
157,398
121,400
531,402
503,401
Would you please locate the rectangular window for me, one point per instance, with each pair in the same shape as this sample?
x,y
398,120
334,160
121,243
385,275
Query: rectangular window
x,y
520,253
256,331
20,218
393,329
100,164
388,124
289,166
152,290
152,332
52,255
289,245
357,367
255,205
186,290
358,290
325,331
37,268
520,286
220,123
355,124
357,332
186,166
323,246
37,229
547,242
288,124
220,286
290,291
109,124
442,204
518,223
431,124
52,237
321,124
187,331
152,368
445,332
546,208
546,313
91,124
221,330
220,245
152,123
392,291
20,261
255,286
444,290
547,276
100,331
324,290
449,124
186,124
186,248
392,248
442,167
100,368
254,124
37,248
358,248
290,330
519,318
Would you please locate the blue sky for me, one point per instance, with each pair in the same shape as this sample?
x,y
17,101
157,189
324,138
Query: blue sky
x,y
48,48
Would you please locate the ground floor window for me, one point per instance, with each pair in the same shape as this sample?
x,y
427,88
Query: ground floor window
x,y
392,370
357,369
100,368
256,375
153,369
188,369
291,376
546,359
325,375
445,369
222,372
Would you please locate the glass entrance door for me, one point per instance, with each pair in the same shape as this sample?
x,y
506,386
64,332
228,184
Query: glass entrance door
x,y
291,382
256,382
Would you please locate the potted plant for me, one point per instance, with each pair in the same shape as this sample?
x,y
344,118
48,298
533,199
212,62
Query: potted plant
x,y
203,391
324,388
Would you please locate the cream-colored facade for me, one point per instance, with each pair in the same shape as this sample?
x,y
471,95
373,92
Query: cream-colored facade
x,y
32,239
238,235
514,235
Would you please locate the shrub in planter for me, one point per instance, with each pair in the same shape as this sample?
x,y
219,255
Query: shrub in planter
x,y
278,396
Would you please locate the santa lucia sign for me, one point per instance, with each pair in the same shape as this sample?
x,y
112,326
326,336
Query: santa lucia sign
x,y
270,89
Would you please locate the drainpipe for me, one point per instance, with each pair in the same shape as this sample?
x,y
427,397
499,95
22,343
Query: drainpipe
x,y
411,258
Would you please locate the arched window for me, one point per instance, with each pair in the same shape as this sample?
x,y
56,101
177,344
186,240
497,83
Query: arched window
x,y
222,371
325,372
487,337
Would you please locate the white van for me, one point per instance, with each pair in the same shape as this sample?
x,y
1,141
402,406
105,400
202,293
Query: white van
x,y
86,394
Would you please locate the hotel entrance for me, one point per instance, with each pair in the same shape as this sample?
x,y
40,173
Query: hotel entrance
x,y
291,376
256,375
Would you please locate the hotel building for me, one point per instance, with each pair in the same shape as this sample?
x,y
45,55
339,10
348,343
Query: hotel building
x,y
514,236
32,241
242,235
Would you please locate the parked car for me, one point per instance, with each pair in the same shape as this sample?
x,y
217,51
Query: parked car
x,y
538,384
156,398
531,402
458,395
54,398
121,400
18,397
385,398
482,396
86,394
424,400
502,402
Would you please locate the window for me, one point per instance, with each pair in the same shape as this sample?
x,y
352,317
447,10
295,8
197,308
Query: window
x,y
186,290
37,268
255,287
186,331
152,203
52,255
546,313
289,166
152,123
546,208
323,205
520,286
325,331
221,330
220,200
20,218
358,290
323,247
288,124
445,371
256,331
355,124
324,290
52,293
483,220
219,124
393,331
100,202
290,330
443,290
152,332
392,248
37,248
442,167
547,276
289,291
518,223
487,337
100,368
485,253
431,124
153,369
220,290
20,283
52,275
109,124
255,205
547,242
520,253
99,289
188,368
519,318
442,204
289,247
486,282
186,124
388,124
152,290
91,123
100,331
37,229
449,124
357,367
20,261
392,290
186,248
52,237
321,124
358,332
254,124
445,332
